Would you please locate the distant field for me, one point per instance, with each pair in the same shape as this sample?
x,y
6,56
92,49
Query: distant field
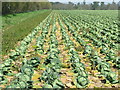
x,y
16,27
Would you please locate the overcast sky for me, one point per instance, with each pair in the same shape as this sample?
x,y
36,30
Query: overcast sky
x,y
108,1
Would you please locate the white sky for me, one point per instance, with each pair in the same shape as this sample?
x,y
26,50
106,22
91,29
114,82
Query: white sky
x,y
109,1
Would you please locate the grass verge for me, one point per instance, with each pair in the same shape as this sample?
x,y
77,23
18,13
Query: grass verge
x,y
19,30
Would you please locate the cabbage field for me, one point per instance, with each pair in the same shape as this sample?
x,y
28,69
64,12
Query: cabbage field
x,y
69,49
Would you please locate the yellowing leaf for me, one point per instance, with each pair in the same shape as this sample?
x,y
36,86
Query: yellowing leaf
x,y
77,45
85,60
63,76
110,63
34,46
69,85
99,49
88,68
66,60
37,86
90,85
73,86
107,85
65,65
102,77
42,68
94,72
35,76
70,73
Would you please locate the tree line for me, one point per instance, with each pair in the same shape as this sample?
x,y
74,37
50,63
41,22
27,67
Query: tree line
x,y
84,6
20,7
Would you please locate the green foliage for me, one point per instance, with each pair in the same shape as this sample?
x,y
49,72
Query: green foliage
x,y
18,7
85,30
